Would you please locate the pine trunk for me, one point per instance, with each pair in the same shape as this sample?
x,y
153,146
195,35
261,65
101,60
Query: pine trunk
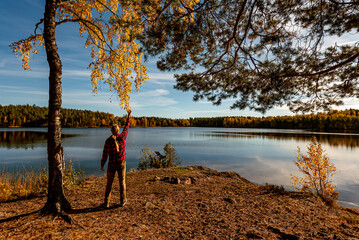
x,y
56,200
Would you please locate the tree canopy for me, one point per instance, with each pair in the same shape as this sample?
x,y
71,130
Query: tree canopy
x,y
112,29
261,53
117,59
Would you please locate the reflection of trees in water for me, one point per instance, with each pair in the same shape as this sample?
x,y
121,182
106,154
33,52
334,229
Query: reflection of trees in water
x,y
346,140
24,139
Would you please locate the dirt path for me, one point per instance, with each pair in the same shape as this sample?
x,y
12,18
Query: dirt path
x,y
184,203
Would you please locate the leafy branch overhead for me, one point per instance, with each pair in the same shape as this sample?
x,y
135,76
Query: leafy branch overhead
x,y
262,53
111,29
113,52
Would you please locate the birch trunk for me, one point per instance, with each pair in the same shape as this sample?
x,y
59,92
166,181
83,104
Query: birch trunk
x,y
56,200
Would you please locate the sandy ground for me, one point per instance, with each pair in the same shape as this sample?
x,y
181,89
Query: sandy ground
x,y
183,203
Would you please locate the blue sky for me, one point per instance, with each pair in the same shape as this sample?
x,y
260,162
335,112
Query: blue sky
x,y
157,96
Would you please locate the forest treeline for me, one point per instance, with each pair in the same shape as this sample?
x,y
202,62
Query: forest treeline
x,y
34,116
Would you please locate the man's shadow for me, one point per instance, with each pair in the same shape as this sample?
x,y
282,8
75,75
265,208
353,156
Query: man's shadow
x,y
92,209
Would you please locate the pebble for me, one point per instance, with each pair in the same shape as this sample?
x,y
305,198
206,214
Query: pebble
x,y
148,204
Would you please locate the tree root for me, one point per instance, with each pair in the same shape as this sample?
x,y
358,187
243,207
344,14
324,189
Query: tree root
x,y
56,210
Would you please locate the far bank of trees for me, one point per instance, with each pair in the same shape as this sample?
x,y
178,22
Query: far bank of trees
x,y
34,116
332,120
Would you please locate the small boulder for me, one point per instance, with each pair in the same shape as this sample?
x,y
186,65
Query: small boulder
x,y
175,180
187,181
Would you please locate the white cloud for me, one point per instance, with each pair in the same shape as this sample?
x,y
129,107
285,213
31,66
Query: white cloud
x,y
162,101
3,62
25,74
209,102
154,101
83,101
346,39
77,73
154,93
37,4
349,103
161,78
29,92
152,98
222,111
11,87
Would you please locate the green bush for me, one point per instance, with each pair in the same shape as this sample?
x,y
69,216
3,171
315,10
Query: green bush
x,y
155,159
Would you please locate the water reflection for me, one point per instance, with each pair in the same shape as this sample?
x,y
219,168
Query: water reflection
x,y
25,139
349,140
260,155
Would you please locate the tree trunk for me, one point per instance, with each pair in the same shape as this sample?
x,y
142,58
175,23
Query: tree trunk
x,y
56,200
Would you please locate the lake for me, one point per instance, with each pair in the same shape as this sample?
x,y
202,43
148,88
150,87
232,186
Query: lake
x,y
260,155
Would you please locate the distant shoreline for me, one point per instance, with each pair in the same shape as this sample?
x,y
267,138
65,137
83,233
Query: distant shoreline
x,y
33,116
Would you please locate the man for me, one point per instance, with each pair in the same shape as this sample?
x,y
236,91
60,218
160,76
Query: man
x,y
115,149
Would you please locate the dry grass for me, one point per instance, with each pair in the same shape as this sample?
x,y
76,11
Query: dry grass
x,y
23,183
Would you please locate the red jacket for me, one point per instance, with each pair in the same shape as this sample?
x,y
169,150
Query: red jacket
x,y
115,158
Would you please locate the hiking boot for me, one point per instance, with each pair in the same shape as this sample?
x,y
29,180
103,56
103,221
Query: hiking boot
x,y
123,203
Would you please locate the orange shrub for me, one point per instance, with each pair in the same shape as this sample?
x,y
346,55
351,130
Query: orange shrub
x,y
317,172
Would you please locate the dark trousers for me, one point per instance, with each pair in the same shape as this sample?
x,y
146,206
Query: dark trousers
x,y
111,171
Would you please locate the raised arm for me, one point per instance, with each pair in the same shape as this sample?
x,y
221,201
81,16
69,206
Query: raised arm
x,y
127,125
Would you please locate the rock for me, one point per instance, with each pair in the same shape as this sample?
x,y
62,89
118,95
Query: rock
x,y
253,235
344,225
188,180
338,237
139,225
148,204
284,235
230,200
175,180
202,206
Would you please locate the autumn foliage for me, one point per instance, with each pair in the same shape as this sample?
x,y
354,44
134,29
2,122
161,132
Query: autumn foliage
x,y
112,29
317,173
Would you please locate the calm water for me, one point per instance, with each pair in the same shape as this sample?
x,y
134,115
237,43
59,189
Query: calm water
x,y
260,155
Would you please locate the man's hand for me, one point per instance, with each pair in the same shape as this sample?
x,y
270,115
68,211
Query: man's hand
x,y
129,112
101,168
